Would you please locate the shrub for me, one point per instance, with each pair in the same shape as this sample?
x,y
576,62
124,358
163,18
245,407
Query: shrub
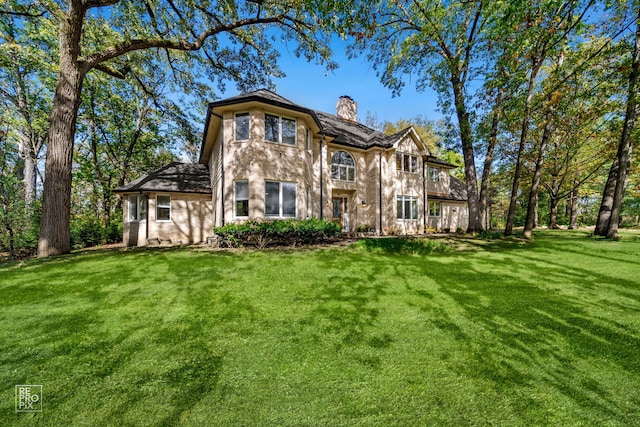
x,y
277,232
404,245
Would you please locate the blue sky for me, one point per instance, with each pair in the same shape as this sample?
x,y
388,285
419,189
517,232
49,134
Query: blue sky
x,y
310,85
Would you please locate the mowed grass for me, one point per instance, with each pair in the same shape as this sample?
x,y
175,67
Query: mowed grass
x,y
501,333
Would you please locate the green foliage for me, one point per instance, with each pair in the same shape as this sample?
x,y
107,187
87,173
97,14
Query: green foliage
x,y
89,231
404,245
278,232
489,235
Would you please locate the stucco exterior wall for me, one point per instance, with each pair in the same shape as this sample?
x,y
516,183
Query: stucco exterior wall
x,y
191,221
409,184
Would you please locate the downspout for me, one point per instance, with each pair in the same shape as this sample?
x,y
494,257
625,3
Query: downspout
x,y
321,178
380,189
424,195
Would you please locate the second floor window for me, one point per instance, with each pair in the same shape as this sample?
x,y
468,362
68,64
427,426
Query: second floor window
x,y
279,129
406,163
242,126
434,174
343,167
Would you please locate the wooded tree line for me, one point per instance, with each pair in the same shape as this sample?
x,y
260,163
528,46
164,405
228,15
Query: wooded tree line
x,y
542,97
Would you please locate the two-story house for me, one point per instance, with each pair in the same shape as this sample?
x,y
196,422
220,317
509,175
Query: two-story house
x,y
263,156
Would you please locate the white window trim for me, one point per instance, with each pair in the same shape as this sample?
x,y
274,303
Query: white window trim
x,y
439,209
235,199
346,167
140,202
402,169
158,206
281,201
235,132
430,173
280,118
411,199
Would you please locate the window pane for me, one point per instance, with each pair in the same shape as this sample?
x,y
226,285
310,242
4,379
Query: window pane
x,y
399,161
288,131
335,171
242,190
242,198
343,173
407,208
414,208
271,128
288,199
133,208
272,198
399,207
351,174
163,208
142,207
242,127
414,164
242,208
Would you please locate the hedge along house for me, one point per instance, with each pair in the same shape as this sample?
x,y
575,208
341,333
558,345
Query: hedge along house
x,y
265,157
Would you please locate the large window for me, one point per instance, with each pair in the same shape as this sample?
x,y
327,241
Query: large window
x,y
407,207
163,207
242,126
406,163
434,174
279,129
342,166
137,207
280,199
434,208
241,194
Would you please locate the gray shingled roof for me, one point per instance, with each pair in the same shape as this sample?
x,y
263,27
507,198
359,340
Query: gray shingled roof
x,y
350,133
457,191
174,177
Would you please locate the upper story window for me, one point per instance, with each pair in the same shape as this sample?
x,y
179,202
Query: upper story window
x,y
307,138
434,174
342,166
242,126
406,163
279,129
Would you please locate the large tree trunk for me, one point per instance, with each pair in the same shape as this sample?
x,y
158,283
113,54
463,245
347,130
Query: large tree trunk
x,y
485,213
56,203
536,64
626,143
532,215
604,214
475,224
573,208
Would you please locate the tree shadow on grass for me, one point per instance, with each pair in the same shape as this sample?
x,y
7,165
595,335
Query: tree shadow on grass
x,y
523,334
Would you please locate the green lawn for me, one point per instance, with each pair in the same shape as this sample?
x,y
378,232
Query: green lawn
x,y
487,333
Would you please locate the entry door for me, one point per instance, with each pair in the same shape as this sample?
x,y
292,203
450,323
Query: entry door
x,y
341,212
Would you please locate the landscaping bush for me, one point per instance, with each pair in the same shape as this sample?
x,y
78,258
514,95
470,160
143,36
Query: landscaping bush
x,y
277,232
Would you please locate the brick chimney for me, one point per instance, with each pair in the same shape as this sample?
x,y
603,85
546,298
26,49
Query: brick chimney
x,y
347,109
